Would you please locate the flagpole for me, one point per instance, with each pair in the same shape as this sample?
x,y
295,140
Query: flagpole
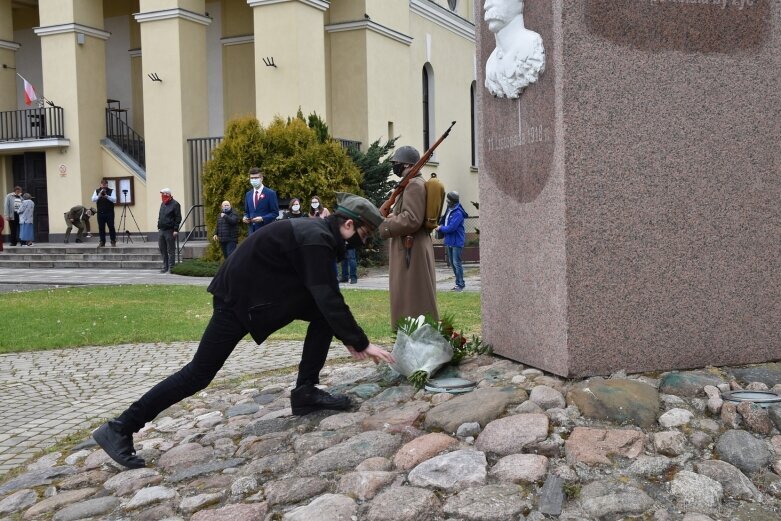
x,y
42,97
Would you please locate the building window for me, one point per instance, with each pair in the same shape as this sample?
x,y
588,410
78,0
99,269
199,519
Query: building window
x,y
473,122
428,105
452,4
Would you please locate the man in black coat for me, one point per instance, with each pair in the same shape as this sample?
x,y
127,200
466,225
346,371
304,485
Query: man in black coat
x,y
168,221
282,272
227,230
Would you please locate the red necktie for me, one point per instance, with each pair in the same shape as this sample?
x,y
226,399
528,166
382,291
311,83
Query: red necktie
x,y
257,198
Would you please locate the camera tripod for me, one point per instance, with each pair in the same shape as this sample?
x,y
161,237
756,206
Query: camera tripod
x,y
122,228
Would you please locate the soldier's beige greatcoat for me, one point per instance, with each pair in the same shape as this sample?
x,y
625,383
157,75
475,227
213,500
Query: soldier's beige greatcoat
x,y
413,289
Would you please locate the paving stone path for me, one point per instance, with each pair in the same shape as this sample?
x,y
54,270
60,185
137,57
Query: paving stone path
x,y
50,394
523,446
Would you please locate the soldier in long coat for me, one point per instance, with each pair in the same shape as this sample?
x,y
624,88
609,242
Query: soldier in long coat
x,y
413,289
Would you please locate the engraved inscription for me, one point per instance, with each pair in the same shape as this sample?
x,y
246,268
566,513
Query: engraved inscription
x,y
529,135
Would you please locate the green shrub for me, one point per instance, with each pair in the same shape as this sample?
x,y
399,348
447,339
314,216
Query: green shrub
x,y
197,268
377,186
294,161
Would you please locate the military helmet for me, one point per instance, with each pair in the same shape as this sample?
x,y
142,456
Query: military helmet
x,y
406,154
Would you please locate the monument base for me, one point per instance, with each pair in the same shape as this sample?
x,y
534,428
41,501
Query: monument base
x,y
630,214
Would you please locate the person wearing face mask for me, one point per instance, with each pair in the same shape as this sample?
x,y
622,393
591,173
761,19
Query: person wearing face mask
x,y
281,273
412,282
316,208
227,231
452,227
294,211
168,221
260,203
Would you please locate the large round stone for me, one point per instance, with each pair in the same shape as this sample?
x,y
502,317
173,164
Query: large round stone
x,y
617,400
741,449
511,434
689,383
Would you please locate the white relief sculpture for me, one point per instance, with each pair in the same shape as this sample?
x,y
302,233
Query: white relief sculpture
x,y
519,56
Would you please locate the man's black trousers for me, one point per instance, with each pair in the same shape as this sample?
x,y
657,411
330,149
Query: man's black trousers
x,y
13,225
218,341
167,244
107,219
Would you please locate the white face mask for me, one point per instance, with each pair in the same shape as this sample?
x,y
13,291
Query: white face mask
x,y
254,182
315,204
296,207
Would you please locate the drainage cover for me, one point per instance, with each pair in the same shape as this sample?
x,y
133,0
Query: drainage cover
x,y
761,398
449,385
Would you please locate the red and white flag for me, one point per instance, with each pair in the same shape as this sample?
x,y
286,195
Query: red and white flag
x,y
29,92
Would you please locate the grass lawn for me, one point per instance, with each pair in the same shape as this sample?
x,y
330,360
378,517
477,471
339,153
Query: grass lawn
x,y
105,315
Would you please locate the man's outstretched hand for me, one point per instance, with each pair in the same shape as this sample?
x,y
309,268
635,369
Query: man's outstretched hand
x,y
375,352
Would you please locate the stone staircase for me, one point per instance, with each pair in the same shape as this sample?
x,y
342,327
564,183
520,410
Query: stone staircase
x,y
87,255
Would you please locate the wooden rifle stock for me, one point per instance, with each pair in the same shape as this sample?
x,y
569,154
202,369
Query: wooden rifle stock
x,y
385,209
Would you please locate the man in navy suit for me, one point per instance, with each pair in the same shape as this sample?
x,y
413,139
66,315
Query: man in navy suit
x,y
260,203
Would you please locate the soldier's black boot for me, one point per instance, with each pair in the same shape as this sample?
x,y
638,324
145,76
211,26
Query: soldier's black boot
x,y
308,398
118,444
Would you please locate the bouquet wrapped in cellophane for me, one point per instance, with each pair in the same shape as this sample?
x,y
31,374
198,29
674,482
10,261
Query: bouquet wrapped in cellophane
x,y
424,345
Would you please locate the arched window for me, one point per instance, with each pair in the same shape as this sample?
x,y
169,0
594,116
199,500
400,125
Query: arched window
x,y
473,121
428,105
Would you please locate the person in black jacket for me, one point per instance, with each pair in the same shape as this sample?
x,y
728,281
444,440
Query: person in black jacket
x,y
294,209
227,232
168,222
282,272
105,199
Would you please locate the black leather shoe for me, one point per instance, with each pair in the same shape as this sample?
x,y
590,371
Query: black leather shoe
x,y
118,445
164,270
308,398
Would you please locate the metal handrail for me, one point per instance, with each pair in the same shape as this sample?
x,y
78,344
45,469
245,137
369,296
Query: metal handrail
x,y
127,139
180,247
35,123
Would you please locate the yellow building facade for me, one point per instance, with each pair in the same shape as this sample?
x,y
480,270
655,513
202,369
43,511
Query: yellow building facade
x,y
130,89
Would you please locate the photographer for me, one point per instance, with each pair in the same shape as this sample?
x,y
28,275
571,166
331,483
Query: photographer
x,y
105,199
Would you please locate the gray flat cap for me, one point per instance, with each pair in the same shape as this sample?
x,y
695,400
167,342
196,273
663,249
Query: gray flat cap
x,y
356,207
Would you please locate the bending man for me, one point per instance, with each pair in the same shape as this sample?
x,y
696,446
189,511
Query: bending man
x,y
281,273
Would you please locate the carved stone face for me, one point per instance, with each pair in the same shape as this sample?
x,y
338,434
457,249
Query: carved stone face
x,y
499,13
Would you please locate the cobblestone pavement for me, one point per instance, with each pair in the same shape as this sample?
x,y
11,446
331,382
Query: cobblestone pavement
x,y
50,394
